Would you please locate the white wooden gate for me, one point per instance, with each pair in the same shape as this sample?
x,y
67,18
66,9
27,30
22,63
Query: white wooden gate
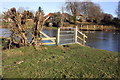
x,y
69,35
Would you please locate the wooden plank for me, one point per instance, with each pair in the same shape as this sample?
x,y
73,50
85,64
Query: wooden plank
x,y
52,38
67,43
68,35
102,27
67,31
82,34
67,28
58,37
87,27
79,38
84,39
80,44
76,34
46,35
47,43
94,27
67,39
86,36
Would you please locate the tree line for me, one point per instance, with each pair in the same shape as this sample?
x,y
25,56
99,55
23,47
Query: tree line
x,y
91,11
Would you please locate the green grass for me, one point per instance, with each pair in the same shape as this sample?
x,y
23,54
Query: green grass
x,y
73,61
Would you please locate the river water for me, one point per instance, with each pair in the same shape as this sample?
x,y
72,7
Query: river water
x,y
104,40
97,39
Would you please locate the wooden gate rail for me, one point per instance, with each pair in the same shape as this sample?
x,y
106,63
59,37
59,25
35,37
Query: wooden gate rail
x,y
83,39
75,34
66,35
53,39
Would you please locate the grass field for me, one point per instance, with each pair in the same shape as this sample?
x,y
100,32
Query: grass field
x,y
71,61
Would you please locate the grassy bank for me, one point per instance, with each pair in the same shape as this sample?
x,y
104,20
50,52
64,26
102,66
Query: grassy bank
x,y
72,61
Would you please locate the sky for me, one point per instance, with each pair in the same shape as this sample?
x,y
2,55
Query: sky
x,y
108,6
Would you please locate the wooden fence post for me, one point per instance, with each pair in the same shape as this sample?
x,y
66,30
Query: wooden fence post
x,y
76,34
114,28
81,27
83,39
102,27
94,27
58,37
87,27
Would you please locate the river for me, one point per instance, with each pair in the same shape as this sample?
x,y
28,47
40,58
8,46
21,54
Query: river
x,y
97,39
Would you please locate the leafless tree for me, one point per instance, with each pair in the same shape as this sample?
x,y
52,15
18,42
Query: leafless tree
x,y
73,7
107,17
17,28
91,10
85,7
118,10
19,33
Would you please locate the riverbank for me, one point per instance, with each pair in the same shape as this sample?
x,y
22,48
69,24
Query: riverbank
x,y
72,61
80,27
88,29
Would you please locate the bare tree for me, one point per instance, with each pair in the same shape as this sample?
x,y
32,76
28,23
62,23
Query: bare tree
x,y
73,7
19,33
0,20
62,17
96,13
85,7
17,28
107,18
29,14
118,10
91,11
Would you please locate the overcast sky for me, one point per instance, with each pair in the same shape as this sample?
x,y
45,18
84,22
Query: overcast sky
x,y
108,6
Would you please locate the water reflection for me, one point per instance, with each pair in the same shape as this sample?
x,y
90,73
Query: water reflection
x,y
104,40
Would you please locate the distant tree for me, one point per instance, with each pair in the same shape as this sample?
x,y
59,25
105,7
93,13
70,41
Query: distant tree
x,y
118,10
29,14
91,11
107,18
57,19
40,9
0,16
0,19
73,7
85,7
38,13
116,22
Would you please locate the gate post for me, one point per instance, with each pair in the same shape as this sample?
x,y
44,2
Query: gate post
x,y
76,34
58,37
84,39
